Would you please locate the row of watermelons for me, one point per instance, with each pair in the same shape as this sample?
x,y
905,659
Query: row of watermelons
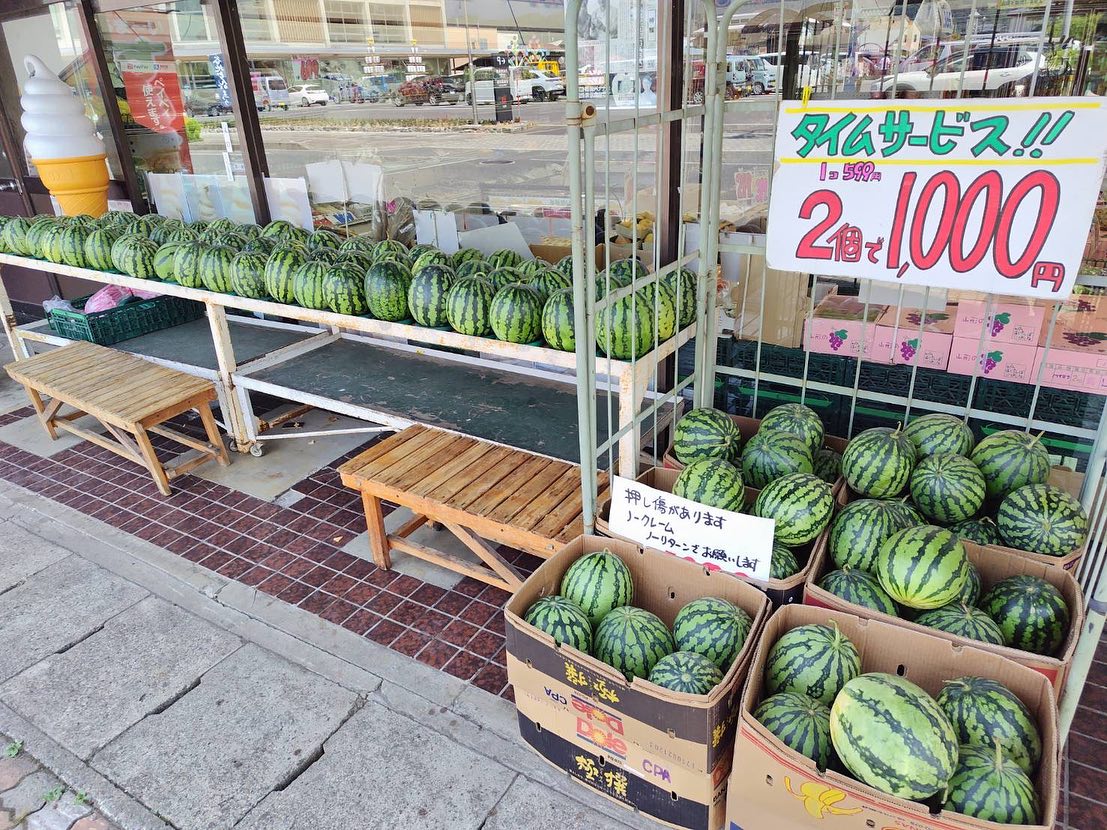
x,y
973,750
594,613
503,294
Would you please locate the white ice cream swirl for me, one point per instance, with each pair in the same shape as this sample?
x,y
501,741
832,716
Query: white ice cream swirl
x,y
54,117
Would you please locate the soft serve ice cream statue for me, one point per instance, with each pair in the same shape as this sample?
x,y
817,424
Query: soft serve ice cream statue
x,y
63,145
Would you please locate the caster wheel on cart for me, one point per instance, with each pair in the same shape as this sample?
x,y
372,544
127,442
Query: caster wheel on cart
x,y
257,450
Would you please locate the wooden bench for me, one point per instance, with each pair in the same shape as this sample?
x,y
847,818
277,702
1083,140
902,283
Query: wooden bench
x,y
477,490
130,396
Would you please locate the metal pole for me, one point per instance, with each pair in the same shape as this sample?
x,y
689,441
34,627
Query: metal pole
x,y
472,70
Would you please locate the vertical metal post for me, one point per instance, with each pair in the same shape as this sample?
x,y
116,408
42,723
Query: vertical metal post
x,y
670,147
233,46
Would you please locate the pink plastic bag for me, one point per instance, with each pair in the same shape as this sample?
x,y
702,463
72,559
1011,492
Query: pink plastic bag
x,y
107,297
143,294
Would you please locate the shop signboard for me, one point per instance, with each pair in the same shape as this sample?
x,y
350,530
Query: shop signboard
x,y
986,194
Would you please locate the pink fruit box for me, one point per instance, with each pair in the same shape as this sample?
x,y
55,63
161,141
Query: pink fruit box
x,y
1005,320
898,335
995,361
1077,355
843,326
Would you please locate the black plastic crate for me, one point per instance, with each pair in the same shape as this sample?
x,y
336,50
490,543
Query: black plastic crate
x,y
930,384
780,360
1057,406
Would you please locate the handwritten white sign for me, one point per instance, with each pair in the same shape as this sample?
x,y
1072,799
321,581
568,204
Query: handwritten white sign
x,y
720,540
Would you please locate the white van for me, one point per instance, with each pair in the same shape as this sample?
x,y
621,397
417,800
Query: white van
x,y
486,83
269,91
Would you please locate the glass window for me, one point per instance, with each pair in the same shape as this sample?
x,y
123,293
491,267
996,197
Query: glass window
x,y
427,25
347,21
389,22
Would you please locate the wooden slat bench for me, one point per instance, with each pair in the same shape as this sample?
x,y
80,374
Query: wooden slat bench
x,y
130,396
476,489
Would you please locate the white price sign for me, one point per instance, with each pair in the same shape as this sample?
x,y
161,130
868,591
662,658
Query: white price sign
x,y
720,540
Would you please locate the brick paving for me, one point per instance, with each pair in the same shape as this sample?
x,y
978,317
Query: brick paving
x,y
31,798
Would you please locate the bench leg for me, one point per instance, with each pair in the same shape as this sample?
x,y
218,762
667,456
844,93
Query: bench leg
x,y
152,462
378,536
40,408
214,437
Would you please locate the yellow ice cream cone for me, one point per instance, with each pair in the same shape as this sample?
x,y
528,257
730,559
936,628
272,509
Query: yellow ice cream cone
x,y
80,184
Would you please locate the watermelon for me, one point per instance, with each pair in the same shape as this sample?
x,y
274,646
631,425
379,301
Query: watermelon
x,y
500,277
186,264
706,433
426,296
248,230
36,235
963,620
947,488
939,434
877,462
279,271
771,454
796,418
984,711
386,285
893,736
627,269
530,268
387,247
687,672
165,260
418,249
505,258
686,302
13,238
632,641
323,238
344,290
516,314
860,529
624,328
827,464
563,620
712,482
328,256
974,587
278,228
248,275
565,265
307,284
983,531
134,256
605,281
235,241
185,234
473,268
548,281
799,722
51,243
784,563
1009,460
1031,613
859,588
713,628
801,504
466,255
362,244
814,660
905,513
598,582
215,268
558,324
923,567
71,245
987,785
1043,519
468,305
361,260
431,257
663,301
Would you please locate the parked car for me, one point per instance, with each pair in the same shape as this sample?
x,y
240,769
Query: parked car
x,y
524,83
542,85
428,89
202,98
269,91
998,69
753,72
304,95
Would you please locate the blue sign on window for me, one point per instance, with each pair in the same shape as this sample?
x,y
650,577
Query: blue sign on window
x,y
219,73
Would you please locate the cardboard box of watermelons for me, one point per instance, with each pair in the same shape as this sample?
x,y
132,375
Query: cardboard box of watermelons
x,y
994,565
779,591
776,788
748,428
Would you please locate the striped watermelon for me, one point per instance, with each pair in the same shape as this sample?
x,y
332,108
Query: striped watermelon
x,y
814,660
165,258
800,503
426,296
598,582
364,244
51,243
248,230
947,488
859,588
98,249
565,265
468,305
939,434
248,275
893,736
1042,519
663,301
632,641
505,258
388,247
712,482
185,234
134,256
530,268
279,270
923,567
624,329
905,513
500,277
1031,613
686,302
71,245
859,531
784,563
548,281
770,454
962,620
36,235
988,785
13,238
278,228
431,257
386,285
607,283
796,418
706,433
186,264
473,268
984,711
627,269
877,462
215,268
1009,460
307,284
344,290
563,620
827,464
558,324
465,255
799,722
417,250
323,238
687,672
362,260
516,314
974,587
983,531
328,256
713,628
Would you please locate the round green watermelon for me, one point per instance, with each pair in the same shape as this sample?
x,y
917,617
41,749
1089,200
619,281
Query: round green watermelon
x,y
947,488
362,260
877,462
714,628
859,588
530,268
939,434
13,238
186,264
71,245
307,284
134,256
386,286
974,587
215,268
687,672
505,258
547,281
323,238
625,327
1009,460
388,247
1042,519
516,314
565,265
607,283
706,433
280,269
468,306
798,419
988,786
827,464
627,269
1031,613
598,582
473,268
360,244
563,620
344,290
799,722
923,567
713,482
962,620
984,712
426,296
784,563
558,322
772,454
278,228
686,299
500,277
165,259
860,529
248,275
465,255
800,503
632,641
982,531
814,660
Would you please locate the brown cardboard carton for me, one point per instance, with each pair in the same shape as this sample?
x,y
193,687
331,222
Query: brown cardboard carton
x,y
780,320
774,788
994,564
622,252
692,731
555,253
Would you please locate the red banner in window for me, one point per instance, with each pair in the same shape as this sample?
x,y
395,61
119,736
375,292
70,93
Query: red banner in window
x,y
154,96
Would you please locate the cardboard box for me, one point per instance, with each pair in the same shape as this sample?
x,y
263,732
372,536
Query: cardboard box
x,y
898,332
623,252
1075,356
994,565
995,360
692,731
843,326
1017,321
780,321
774,788
553,254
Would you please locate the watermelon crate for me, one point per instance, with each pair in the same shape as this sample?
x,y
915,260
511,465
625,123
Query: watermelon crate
x,y
772,787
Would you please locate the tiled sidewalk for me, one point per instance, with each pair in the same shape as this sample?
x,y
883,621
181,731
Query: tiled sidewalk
x,y
31,798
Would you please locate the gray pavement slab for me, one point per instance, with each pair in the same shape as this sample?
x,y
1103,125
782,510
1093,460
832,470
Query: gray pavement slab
x,y
381,771
23,554
57,607
253,722
142,660
28,434
531,806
